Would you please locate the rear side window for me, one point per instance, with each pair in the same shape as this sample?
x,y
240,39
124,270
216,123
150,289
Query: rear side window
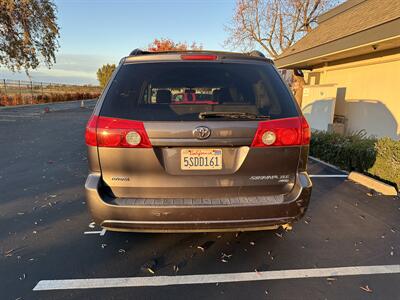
x,y
180,91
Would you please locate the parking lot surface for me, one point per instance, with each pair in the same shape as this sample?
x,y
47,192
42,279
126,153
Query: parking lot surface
x,y
46,235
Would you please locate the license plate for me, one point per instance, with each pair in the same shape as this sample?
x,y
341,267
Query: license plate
x,y
201,159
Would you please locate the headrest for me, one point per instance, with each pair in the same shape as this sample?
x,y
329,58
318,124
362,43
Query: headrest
x,y
163,96
225,95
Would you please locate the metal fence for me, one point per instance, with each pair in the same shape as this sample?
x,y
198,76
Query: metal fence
x,y
34,88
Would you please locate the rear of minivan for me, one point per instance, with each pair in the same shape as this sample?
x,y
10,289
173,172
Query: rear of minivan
x,y
197,141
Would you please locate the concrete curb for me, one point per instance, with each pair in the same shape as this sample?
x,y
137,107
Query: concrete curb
x,y
372,183
369,182
328,164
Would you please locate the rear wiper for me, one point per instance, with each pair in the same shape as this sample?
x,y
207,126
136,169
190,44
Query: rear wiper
x,y
231,115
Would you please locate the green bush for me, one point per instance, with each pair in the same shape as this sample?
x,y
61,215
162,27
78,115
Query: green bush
x,y
357,152
387,163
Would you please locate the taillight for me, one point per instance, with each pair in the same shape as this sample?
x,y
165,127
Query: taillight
x,y
90,134
282,132
306,131
117,133
198,57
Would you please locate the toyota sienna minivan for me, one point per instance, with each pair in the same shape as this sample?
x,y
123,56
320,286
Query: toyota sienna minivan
x,y
197,141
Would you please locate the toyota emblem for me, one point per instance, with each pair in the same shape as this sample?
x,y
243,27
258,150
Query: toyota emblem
x,y
201,132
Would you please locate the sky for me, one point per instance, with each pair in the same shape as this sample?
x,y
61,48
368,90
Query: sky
x,y
96,32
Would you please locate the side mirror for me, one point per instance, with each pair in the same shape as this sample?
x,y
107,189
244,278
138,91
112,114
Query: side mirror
x,y
298,73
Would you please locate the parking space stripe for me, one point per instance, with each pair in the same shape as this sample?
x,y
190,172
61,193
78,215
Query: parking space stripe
x,y
100,232
327,164
70,284
329,176
94,232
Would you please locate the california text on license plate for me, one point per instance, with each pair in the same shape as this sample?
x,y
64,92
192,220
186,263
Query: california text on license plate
x,y
201,159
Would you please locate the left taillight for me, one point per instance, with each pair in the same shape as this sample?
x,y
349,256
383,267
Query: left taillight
x,y
90,133
282,132
116,133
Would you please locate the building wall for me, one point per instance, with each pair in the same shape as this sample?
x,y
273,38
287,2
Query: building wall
x,y
366,92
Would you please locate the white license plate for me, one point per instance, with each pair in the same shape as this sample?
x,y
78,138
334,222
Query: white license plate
x,y
201,159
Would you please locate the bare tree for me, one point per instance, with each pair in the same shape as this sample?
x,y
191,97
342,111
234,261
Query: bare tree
x,y
273,25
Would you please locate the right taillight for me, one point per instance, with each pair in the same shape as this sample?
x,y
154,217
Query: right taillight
x,y
306,132
282,132
116,133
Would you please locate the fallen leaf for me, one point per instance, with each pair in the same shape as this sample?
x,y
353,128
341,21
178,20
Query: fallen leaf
x,y
287,227
201,248
151,271
331,279
366,289
10,252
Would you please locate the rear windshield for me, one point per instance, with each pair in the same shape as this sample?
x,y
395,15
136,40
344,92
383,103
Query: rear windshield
x,y
180,91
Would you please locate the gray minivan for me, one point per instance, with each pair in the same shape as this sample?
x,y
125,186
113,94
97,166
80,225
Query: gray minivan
x,y
197,141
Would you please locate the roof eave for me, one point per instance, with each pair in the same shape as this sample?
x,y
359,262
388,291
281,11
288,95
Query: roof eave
x,y
341,48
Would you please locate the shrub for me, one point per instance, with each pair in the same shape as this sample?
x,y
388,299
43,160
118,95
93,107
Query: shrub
x,y
352,153
387,163
357,152
46,98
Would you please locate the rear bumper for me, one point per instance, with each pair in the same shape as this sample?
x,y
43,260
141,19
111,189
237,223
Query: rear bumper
x,y
197,218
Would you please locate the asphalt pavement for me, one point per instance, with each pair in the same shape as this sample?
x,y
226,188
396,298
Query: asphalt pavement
x,y
46,233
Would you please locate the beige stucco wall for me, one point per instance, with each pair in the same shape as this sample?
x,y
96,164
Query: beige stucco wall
x,y
369,95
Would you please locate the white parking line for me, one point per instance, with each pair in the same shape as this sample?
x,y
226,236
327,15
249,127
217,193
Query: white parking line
x,y
93,232
101,232
329,176
328,164
70,284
